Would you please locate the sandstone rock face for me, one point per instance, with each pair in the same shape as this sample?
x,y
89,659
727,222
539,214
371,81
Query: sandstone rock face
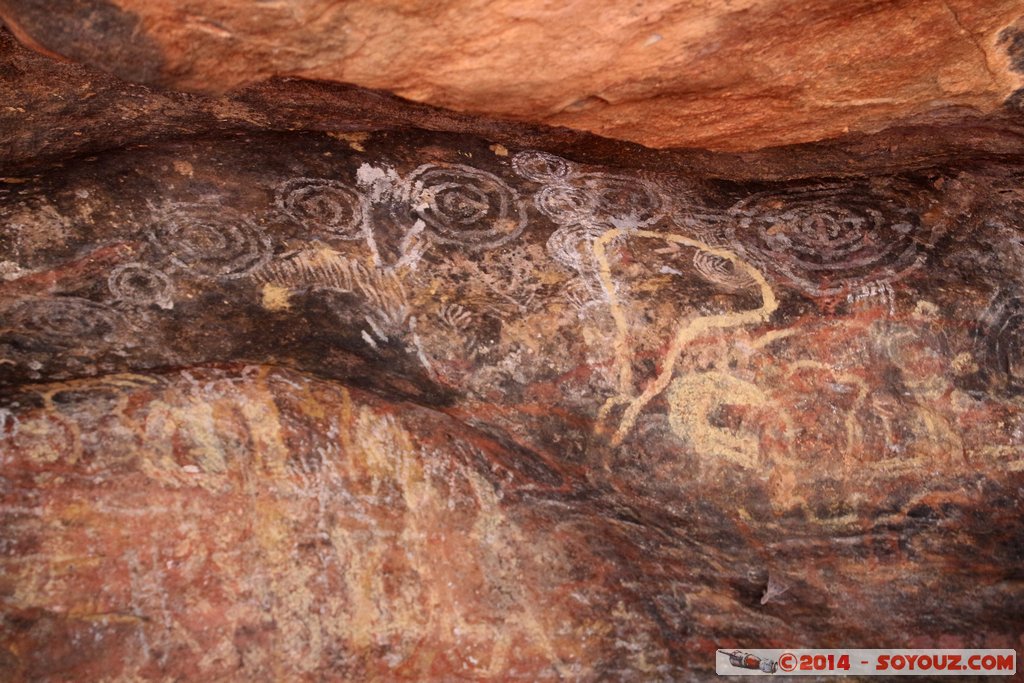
x,y
712,73
293,389
262,525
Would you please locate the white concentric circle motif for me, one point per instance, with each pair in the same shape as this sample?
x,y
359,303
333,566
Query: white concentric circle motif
x,y
210,240
323,205
541,167
721,271
828,240
599,198
64,320
141,283
465,205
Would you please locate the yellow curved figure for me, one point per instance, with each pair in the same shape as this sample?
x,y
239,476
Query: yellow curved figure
x,y
692,399
684,335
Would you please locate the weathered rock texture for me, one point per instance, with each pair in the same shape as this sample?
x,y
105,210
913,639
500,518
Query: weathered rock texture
x,y
291,390
717,74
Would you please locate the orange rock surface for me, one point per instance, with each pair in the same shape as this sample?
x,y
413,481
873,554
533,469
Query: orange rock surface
x,y
720,74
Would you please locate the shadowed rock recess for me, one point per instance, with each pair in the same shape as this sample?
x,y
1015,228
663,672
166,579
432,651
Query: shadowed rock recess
x,y
307,382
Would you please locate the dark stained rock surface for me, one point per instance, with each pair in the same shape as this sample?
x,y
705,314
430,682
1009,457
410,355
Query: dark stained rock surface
x,y
295,391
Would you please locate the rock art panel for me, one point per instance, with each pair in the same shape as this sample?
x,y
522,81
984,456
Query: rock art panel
x,y
285,403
